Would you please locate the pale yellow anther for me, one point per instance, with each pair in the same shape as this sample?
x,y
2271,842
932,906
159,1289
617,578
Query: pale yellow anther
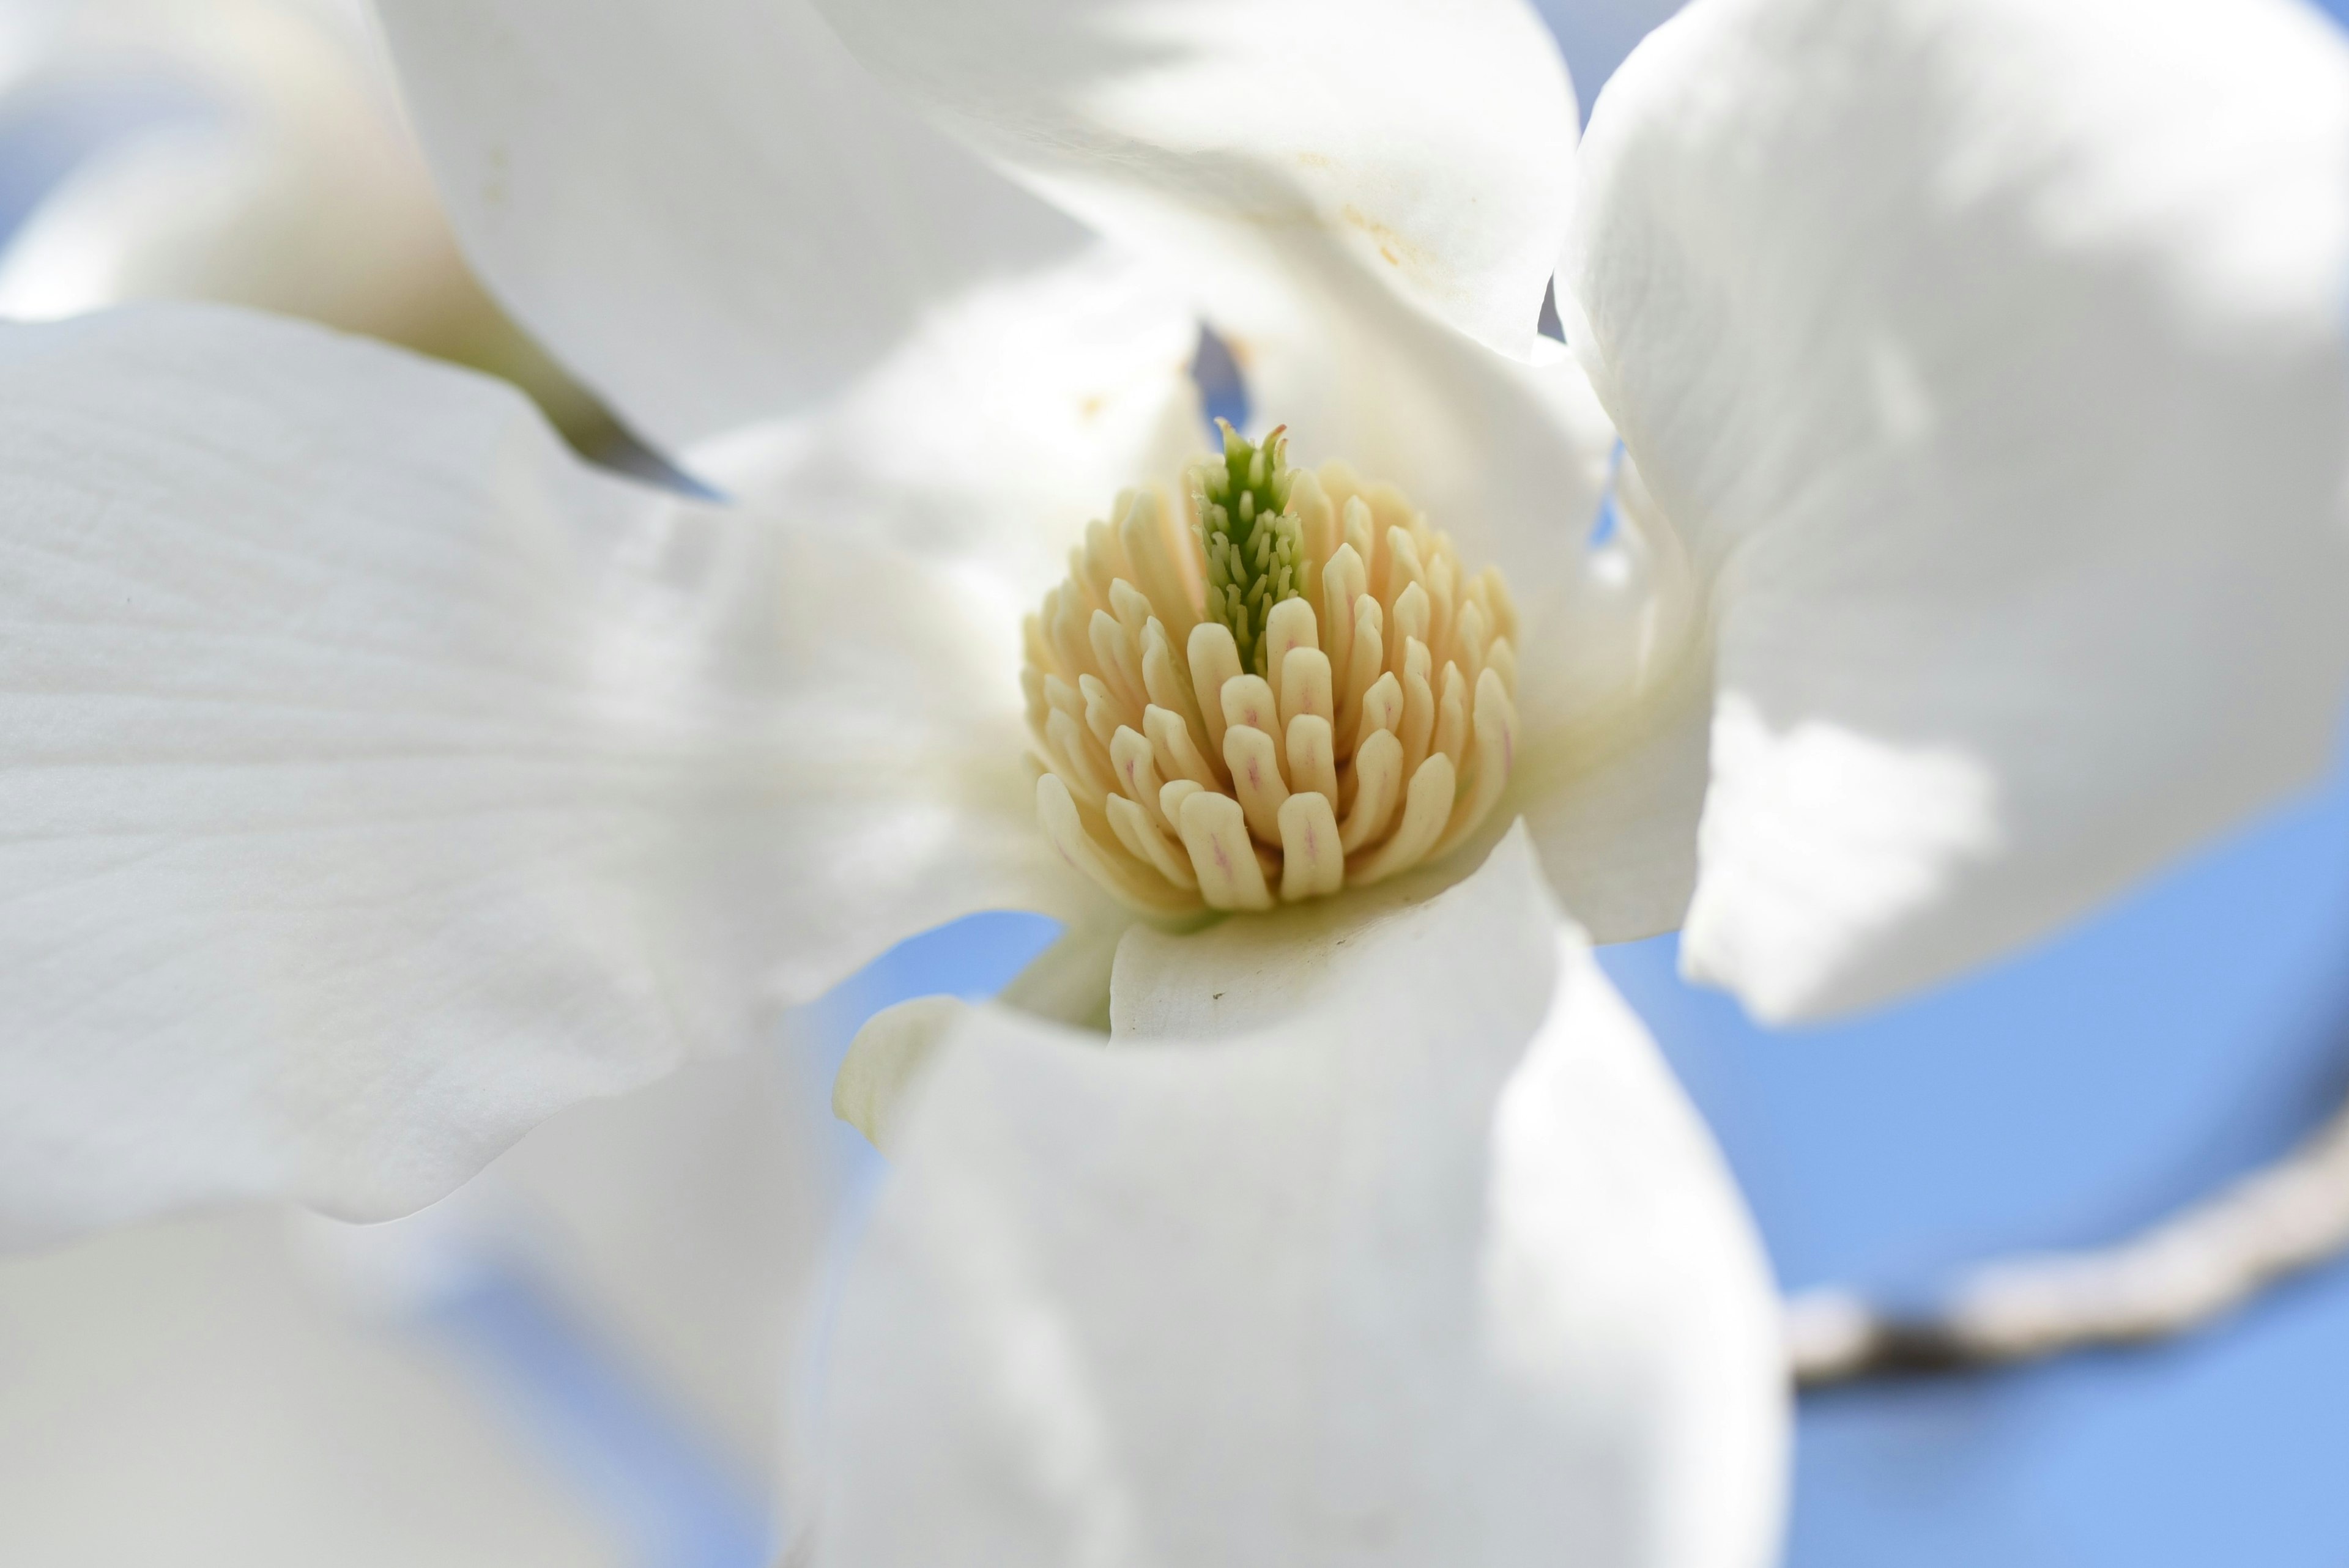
x,y
1441,601
1418,706
1072,757
1378,783
1120,660
1494,749
1146,840
1248,699
1104,712
1164,678
1132,610
1380,732
1136,769
1221,856
1171,799
1061,694
1312,865
1341,589
1215,659
1256,779
1312,757
1364,666
1290,626
1178,754
1305,685
1451,715
1359,529
1403,569
1124,877
1470,639
1382,706
1424,814
1409,624
1153,546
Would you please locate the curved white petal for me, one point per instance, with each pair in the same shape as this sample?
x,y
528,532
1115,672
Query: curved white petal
x,y
1421,1259
705,207
1429,147
1989,355
248,1386
179,1393
379,779
1011,417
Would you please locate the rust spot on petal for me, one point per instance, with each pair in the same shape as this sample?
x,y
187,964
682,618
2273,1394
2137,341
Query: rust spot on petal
x,y
1398,251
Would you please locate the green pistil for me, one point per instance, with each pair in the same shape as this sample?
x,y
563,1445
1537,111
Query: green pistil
x,y
1254,547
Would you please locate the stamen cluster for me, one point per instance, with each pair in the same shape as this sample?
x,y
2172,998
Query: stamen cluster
x,y
1296,693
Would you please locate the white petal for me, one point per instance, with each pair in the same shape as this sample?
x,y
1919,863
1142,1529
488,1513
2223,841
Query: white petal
x,y
705,207
1428,147
1613,809
884,1059
1423,1260
179,1394
997,430
245,1388
1989,355
380,779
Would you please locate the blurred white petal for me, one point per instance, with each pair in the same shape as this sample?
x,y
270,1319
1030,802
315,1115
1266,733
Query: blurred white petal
x,y
201,1392
705,207
384,780
1430,148
1988,355
1419,1256
268,168
179,1394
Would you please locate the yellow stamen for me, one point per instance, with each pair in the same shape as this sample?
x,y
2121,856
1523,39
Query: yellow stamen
x,y
1301,691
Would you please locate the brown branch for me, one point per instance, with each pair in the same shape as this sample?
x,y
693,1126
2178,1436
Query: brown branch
x,y
2186,1271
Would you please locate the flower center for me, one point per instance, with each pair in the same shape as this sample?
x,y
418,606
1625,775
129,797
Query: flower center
x,y
1298,693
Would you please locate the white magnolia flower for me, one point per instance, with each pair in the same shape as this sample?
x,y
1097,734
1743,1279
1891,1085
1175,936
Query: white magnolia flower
x,y
388,779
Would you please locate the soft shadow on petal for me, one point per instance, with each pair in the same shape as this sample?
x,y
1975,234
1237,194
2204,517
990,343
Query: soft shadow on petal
x,y
706,208
381,778
1010,417
1429,148
1989,357
1614,810
1420,1258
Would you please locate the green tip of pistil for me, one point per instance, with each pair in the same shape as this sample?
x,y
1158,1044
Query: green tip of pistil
x,y
1252,544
